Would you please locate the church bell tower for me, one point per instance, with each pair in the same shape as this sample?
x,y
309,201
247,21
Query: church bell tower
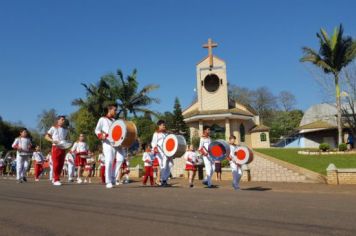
x,y
212,87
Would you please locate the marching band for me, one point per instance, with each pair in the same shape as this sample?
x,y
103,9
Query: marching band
x,y
116,137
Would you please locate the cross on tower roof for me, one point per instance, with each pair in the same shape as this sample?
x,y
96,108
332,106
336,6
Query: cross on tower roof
x,y
210,45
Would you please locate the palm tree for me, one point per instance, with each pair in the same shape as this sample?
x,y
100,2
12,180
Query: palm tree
x,y
114,88
130,100
335,53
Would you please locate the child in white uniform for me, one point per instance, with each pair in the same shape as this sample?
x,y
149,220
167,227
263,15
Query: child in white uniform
x,y
208,161
70,165
148,158
23,146
38,159
165,162
190,160
80,149
235,168
110,152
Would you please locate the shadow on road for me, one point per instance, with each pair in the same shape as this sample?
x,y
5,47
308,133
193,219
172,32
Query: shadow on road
x,y
257,189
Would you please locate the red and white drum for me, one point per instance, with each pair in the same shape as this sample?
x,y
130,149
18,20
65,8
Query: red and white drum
x,y
174,145
219,150
243,155
122,133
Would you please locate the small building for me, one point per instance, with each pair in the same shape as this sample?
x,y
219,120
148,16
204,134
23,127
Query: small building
x,y
318,125
214,108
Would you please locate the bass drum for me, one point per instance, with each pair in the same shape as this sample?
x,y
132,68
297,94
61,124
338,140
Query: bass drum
x,y
122,133
174,145
243,155
219,150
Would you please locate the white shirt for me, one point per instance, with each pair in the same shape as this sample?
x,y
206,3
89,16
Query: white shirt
x,y
204,143
190,157
69,158
157,141
80,147
233,164
1,162
38,157
90,161
101,159
58,133
49,158
148,156
22,143
103,126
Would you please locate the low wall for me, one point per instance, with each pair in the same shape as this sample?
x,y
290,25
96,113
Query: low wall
x,y
340,175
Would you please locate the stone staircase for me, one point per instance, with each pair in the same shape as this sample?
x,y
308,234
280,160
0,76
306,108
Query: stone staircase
x,y
265,168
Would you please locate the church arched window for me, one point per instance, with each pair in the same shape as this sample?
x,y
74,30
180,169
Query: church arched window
x,y
263,137
242,133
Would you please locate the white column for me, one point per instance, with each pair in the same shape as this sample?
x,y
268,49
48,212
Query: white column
x,y
200,127
227,129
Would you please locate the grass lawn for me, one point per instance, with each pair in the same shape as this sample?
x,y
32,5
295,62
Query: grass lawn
x,y
135,160
317,163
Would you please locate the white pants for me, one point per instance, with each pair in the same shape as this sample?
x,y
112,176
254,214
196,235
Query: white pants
x,y
166,170
71,170
209,169
21,166
236,175
166,165
110,153
50,171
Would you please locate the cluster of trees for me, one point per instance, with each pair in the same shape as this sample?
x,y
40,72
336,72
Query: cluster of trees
x,y
132,104
276,111
10,131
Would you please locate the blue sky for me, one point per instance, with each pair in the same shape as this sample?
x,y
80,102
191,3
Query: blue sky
x,y
47,48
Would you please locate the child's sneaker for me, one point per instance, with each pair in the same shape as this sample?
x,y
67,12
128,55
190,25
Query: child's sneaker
x,y
57,183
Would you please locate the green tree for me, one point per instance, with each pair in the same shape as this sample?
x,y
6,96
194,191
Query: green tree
x,y
284,123
123,91
145,128
178,121
130,99
46,120
84,123
335,53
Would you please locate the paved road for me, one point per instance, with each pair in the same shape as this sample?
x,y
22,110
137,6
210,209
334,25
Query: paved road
x,y
259,209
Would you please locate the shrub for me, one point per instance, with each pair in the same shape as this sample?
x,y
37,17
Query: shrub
x,y
195,141
342,147
324,147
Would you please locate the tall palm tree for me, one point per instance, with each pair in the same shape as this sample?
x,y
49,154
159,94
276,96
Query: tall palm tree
x,y
114,88
335,53
130,99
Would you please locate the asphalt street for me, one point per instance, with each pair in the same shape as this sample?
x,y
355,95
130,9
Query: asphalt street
x,y
258,209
